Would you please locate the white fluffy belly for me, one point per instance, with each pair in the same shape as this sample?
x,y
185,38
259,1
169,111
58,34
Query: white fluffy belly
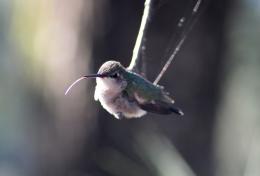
x,y
118,104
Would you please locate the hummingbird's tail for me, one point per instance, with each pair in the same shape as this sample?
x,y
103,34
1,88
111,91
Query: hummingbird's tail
x,y
161,108
177,111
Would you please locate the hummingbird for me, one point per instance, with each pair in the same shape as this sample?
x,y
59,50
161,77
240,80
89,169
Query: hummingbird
x,y
126,94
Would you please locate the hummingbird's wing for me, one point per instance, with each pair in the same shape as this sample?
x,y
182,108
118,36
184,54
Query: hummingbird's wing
x,y
150,97
143,91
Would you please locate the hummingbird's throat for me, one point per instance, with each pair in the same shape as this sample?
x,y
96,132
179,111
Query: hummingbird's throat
x,y
108,84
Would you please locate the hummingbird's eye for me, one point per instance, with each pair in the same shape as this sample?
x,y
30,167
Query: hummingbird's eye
x,y
115,75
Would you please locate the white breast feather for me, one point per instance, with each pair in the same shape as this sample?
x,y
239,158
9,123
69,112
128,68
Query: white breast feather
x,y
110,97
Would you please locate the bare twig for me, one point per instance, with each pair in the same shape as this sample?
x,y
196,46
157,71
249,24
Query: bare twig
x,y
189,24
136,61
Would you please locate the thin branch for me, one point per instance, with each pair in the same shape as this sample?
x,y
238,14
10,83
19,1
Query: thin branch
x,y
139,47
189,25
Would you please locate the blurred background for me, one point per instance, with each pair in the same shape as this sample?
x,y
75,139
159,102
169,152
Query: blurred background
x,y
47,44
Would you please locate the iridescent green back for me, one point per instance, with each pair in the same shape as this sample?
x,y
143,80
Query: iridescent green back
x,y
145,89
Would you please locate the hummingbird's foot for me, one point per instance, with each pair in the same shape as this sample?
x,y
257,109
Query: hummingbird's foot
x,y
119,115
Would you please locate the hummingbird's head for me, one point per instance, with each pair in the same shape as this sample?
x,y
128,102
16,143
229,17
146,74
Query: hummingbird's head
x,y
111,76
110,67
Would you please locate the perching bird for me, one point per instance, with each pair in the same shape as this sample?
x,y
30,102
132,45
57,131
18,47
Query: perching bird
x,y
126,94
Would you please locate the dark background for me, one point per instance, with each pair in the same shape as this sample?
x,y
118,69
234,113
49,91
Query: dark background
x,y
47,44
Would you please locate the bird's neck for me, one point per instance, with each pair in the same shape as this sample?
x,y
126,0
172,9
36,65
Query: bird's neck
x,y
107,85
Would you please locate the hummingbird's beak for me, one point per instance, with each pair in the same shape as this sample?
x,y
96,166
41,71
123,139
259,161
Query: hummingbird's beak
x,y
95,76
84,77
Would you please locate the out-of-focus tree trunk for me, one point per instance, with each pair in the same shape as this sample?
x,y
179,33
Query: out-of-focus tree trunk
x,y
238,125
